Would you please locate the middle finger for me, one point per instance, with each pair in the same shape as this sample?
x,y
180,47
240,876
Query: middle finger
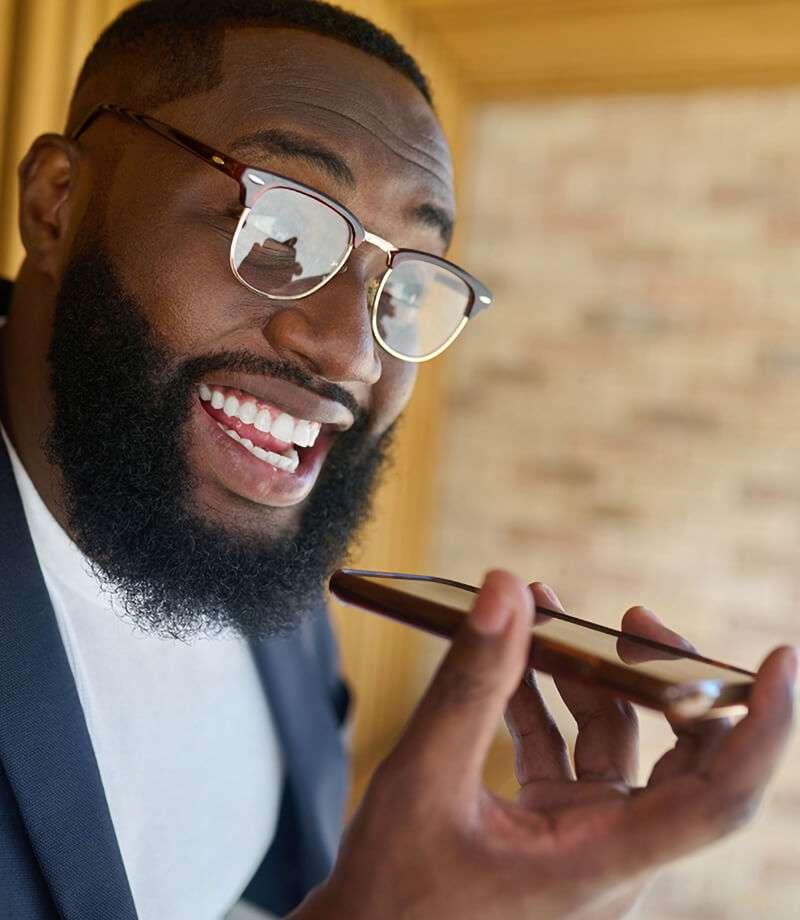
x,y
607,747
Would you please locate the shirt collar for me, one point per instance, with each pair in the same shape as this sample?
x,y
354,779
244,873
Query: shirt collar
x,y
59,557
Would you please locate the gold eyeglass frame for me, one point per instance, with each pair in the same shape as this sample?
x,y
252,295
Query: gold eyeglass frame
x,y
254,181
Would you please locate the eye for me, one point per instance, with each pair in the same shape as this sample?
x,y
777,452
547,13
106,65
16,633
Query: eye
x,y
408,291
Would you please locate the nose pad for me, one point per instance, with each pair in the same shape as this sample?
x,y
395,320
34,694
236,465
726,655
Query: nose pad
x,y
372,290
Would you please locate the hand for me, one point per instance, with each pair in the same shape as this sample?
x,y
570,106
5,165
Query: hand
x,y
430,842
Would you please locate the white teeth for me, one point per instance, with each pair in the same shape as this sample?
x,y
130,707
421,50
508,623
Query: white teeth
x,y
263,420
302,433
248,412
283,427
289,461
231,433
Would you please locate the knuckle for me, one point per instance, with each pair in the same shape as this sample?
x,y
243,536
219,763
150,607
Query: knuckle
x,y
543,729
457,686
613,711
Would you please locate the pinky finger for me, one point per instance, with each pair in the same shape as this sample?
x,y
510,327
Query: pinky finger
x,y
704,802
747,757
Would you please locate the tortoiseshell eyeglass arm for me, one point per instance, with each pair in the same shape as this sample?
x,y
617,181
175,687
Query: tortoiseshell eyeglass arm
x,y
215,158
252,183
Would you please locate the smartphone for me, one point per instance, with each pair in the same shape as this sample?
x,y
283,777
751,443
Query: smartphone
x,y
682,684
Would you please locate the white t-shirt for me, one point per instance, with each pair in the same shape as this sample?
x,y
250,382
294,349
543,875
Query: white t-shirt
x,y
183,737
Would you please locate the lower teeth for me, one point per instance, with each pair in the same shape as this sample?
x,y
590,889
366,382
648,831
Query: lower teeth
x,y
288,461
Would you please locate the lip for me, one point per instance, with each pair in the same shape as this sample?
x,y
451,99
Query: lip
x,y
237,471
289,397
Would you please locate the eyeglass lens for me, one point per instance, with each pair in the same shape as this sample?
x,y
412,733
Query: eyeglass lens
x,y
291,243
421,305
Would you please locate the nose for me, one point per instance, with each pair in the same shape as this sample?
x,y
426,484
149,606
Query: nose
x,y
329,332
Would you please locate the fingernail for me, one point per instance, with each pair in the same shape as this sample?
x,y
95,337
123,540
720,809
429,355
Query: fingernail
x,y
552,597
653,616
491,614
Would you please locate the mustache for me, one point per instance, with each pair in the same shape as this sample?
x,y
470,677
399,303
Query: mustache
x,y
245,362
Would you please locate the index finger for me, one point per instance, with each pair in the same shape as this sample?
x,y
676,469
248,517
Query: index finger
x,y
640,621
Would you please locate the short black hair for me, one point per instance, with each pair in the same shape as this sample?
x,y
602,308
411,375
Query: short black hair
x,y
178,43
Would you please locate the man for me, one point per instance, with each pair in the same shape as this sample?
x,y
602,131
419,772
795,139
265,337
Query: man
x,y
204,358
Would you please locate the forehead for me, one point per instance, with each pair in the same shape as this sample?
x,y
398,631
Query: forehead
x,y
349,101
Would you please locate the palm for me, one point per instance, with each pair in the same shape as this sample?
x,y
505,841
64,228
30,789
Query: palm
x,y
429,840
588,810
571,807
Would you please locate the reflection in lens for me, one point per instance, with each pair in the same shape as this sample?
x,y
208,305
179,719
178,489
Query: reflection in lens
x,y
421,306
289,243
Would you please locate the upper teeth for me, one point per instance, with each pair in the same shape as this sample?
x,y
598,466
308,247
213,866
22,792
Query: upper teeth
x,y
279,424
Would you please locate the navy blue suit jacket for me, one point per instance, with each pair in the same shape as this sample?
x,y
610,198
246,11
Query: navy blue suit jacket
x,y
59,857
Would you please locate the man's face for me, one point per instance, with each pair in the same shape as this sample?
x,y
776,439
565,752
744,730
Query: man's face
x,y
155,246
169,220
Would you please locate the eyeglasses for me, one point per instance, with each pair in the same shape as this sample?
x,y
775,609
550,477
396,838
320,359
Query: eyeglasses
x,y
291,240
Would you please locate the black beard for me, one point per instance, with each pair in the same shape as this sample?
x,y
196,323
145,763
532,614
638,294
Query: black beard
x,y
121,404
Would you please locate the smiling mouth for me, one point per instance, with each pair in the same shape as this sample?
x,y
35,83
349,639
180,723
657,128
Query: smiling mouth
x,y
270,434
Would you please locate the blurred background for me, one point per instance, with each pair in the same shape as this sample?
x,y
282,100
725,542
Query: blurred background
x,y
623,424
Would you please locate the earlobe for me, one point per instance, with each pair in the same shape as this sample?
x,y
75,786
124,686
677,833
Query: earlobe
x,y
47,180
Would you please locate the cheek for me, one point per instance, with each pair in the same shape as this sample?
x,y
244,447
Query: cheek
x,y
178,268
392,392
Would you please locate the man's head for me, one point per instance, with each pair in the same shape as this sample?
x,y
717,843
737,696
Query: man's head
x,y
128,325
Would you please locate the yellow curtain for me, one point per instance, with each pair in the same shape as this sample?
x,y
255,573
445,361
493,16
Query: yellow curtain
x,y
42,46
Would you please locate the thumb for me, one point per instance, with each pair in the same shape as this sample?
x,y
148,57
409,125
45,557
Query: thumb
x,y
448,737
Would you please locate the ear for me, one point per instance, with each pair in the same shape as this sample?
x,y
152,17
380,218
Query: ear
x,y
48,177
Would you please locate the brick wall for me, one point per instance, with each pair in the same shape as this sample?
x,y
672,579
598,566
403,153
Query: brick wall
x,y
625,423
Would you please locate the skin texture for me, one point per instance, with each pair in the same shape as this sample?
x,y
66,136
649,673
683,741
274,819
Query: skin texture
x,y
581,840
429,839
163,217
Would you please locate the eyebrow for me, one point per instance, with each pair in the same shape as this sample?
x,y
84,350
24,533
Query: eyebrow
x,y
273,141
434,217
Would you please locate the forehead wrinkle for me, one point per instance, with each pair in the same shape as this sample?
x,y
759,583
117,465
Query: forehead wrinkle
x,y
394,150
382,130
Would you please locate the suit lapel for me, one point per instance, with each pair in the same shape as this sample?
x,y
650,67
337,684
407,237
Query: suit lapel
x,y
316,767
45,747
